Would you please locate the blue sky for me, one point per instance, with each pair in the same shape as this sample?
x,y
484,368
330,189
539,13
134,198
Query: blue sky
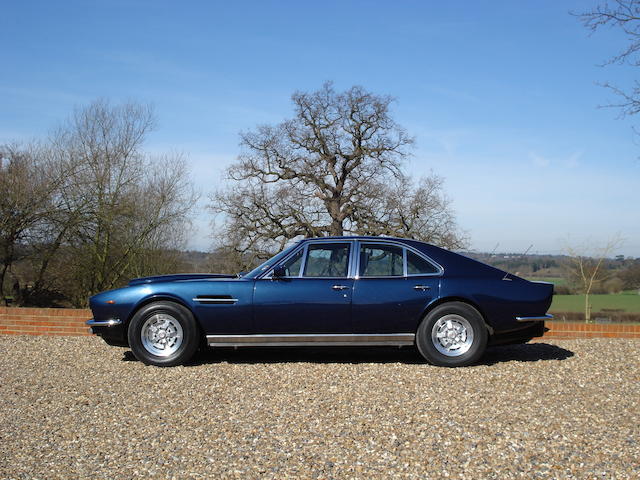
x,y
501,96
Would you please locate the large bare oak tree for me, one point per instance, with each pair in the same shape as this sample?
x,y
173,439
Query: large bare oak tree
x,y
335,167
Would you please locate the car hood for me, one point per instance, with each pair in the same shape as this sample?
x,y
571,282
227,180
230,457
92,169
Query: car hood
x,y
178,277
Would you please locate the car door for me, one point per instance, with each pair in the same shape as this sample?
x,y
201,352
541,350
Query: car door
x,y
393,286
314,296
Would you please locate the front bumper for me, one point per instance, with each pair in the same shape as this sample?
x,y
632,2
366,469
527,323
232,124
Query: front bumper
x,y
112,331
104,323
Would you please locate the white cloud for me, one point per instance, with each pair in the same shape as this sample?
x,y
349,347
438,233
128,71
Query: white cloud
x,y
539,160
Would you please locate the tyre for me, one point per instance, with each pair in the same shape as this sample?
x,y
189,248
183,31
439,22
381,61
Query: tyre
x,y
452,335
164,334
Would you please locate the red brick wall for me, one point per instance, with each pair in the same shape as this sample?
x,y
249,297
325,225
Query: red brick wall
x,y
44,321
66,321
591,330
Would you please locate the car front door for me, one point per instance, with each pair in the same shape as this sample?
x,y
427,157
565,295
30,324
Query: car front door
x,y
393,286
314,295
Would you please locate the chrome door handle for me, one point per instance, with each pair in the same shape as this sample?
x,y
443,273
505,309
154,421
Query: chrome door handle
x,y
339,287
422,287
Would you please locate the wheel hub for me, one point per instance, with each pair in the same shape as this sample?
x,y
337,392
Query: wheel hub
x,y
161,334
452,335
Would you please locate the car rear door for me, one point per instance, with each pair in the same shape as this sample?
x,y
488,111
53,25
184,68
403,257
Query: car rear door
x,y
393,285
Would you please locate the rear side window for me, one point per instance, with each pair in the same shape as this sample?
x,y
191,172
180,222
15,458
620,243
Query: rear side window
x,y
327,260
417,265
381,261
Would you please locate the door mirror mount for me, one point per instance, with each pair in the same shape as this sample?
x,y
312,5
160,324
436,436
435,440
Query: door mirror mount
x,y
279,271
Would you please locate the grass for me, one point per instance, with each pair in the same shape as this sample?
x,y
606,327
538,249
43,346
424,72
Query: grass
x,y
628,302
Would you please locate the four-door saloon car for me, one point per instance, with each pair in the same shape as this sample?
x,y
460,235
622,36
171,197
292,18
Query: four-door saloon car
x,y
329,291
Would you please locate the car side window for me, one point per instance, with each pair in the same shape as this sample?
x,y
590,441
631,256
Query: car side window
x,y
293,264
416,265
381,261
327,260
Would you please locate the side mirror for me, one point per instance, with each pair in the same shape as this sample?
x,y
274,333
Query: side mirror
x,y
279,271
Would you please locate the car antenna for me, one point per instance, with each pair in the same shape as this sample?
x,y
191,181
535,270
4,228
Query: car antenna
x,y
506,274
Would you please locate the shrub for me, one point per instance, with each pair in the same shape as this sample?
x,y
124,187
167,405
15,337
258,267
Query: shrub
x,y
614,285
561,290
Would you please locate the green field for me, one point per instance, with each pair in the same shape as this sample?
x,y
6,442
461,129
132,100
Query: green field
x,y
628,302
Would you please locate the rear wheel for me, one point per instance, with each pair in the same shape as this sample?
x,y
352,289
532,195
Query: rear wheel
x,y
164,334
452,335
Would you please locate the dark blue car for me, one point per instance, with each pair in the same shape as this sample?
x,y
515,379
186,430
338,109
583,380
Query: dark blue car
x,y
332,291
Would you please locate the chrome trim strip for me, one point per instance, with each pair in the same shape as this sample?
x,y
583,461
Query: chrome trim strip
x,y
215,300
317,339
541,318
354,254
406,248
104,323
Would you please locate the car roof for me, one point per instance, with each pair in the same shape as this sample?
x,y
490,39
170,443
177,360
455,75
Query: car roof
x,y
360,237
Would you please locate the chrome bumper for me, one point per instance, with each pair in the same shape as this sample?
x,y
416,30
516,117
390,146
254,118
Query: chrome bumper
x,y
104,323
540,318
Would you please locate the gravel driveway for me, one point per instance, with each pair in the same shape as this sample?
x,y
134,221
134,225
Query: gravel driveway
x,y
77,408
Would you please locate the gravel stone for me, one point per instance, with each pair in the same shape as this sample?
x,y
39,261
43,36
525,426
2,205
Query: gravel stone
x,y
73,407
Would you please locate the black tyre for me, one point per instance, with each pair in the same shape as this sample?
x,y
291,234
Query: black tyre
x,y
164,334
452,335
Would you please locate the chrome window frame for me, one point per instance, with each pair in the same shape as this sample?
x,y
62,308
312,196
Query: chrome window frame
x,y
438,267
305,247
354,259
404,260
405,249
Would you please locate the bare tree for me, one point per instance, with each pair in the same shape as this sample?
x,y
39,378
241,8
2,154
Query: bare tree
x,y
121,204
585,267
88,208
334,168
625,16
28,182
404,208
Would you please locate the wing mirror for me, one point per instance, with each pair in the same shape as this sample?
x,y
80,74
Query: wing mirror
x,y
279,271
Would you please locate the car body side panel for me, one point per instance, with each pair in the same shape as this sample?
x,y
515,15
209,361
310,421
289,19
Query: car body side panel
x,y
500,301
391,305
217,315
232,316
303,305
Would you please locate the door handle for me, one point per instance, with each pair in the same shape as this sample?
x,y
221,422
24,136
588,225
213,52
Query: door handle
x,y
422,287
340,287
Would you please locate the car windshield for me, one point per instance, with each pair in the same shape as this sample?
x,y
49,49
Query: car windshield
x,y
271,262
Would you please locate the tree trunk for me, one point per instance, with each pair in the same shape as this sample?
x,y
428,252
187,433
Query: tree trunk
x,y
587,308
3,274
336,229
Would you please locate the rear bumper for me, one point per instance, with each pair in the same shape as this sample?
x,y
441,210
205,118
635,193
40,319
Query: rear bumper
x,y
519,335
539,318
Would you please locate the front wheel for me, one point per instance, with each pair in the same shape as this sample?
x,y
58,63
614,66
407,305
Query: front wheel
x,y
452,335
164,334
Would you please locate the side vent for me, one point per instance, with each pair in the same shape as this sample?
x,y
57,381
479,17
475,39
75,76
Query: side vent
x,y
215,299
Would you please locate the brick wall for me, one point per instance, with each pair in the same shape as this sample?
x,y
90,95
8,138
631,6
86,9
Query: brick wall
x,y
591,330
67,321
44,321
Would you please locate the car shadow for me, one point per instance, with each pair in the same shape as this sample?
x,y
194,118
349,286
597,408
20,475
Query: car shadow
x,y
530,352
